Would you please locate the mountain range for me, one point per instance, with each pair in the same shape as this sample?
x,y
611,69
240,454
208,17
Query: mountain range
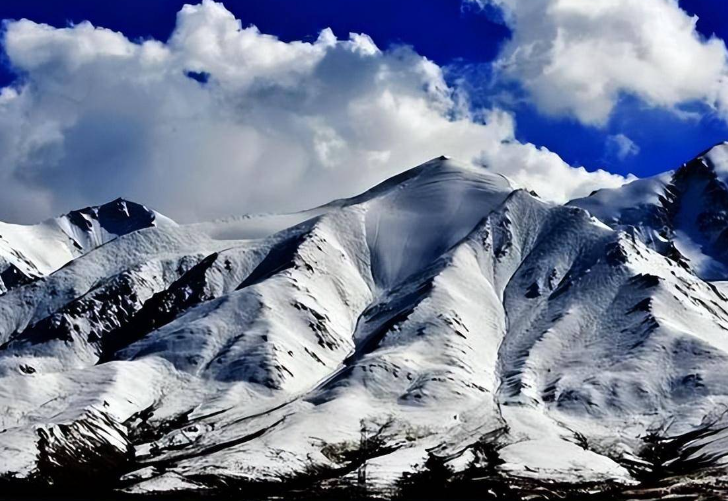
x,y
443,317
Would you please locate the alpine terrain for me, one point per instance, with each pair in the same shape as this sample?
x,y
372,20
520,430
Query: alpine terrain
x,y
444,323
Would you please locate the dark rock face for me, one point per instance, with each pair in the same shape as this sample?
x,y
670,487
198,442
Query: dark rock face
x,y
700,207
119,217
161,309
12,277
92,451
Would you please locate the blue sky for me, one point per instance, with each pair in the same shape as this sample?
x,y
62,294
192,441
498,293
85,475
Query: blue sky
x,y
463,40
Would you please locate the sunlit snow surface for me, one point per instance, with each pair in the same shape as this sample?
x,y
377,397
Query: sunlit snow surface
x,y
443,302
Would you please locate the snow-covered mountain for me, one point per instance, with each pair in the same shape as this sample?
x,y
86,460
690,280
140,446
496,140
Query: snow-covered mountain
x,y
684,212
441,314
31,252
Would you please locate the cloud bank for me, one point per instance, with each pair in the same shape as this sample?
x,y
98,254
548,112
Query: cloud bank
x,y
576,58
222,119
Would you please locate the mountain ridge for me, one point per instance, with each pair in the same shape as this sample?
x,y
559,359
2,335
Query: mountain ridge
x,y
667,211
28,252
439,313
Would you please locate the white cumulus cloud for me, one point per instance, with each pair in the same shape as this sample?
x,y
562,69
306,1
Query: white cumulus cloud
x,y
276,126
577,57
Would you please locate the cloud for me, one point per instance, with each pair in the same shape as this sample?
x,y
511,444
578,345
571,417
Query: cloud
x,y
539,169
621,147
576,58
223,119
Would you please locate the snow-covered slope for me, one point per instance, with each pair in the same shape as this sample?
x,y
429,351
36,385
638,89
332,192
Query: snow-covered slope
x,y
683,212
30,252
438,314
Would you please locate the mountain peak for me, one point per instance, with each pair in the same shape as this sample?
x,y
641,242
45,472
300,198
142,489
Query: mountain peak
x,y
442,169
685,211
28,252
715,159
92,226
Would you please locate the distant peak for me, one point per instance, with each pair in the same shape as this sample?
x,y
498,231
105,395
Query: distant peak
x,y
118,217
115,204
123,202
719,148
712,162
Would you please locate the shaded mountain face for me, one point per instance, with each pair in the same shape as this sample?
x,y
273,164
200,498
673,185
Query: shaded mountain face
x,y
31,252
439,315
681,213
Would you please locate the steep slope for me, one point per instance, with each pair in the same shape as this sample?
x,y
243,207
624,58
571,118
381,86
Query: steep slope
x,y
684,212
437,315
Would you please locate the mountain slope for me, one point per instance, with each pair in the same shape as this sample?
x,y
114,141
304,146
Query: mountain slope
x,y
440,313
30,252
678,213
